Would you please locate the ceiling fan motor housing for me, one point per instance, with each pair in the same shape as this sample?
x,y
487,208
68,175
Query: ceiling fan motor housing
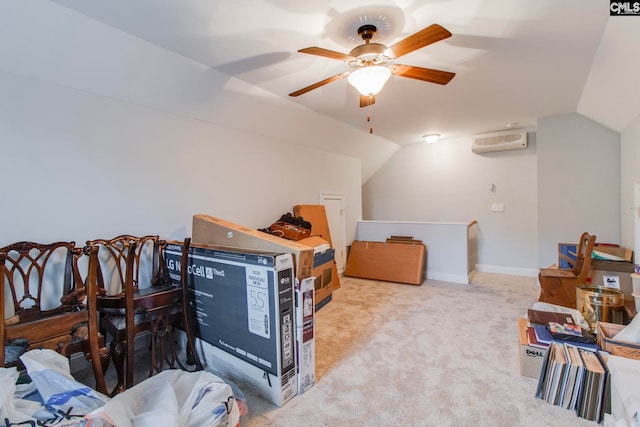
x,y
370,53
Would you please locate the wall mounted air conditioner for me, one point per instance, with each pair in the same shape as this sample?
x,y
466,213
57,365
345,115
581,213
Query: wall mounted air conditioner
x,y
499,142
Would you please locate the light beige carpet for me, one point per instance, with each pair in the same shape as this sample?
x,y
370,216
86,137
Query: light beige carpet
x,y
439,354
390,354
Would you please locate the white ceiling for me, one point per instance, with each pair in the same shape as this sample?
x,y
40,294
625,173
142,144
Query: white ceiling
x,y
515,60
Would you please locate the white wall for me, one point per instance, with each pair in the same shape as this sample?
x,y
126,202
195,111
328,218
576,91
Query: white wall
x,y
49,42
447,182
629,174
578,183
610,99
109,134
564,183
447,245
80,166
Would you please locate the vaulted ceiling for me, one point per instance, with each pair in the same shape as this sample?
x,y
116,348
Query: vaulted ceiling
x,y
514,60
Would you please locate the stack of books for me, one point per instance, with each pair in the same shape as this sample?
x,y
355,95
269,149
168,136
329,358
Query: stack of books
x,y
576,379
574,374
547,326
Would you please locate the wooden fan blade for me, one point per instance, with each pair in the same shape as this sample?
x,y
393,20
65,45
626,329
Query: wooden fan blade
x,y
422,38
365,100
425,74
327,53
318,84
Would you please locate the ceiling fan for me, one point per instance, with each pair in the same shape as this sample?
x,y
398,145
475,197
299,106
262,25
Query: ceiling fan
x,y
370,60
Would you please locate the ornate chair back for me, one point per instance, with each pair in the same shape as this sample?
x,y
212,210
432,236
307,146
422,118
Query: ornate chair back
x,y
45,304
136,295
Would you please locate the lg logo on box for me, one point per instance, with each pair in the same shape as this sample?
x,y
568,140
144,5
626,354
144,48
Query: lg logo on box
x,y
621,8
196,270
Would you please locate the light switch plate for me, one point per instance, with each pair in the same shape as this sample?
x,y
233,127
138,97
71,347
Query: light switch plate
x,y
497,207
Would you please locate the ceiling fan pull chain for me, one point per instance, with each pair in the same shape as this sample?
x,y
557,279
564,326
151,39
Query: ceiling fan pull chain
x,y
369,115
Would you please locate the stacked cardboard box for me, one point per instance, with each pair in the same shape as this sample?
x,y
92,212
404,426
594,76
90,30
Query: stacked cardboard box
x,y
215,231
211,230
531,356
612,266
323,266
317,216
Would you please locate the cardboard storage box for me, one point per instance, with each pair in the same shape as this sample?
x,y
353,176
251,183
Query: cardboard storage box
x,y
612,253
244,306
317,216
601,269
530,357
606,333
323,266
305,334
215,231
388,261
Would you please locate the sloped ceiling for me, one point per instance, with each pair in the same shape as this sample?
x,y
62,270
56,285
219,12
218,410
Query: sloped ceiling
x,y
515,60
611,95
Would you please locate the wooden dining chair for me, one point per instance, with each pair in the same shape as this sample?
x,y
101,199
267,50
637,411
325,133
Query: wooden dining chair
x,y
46,304
558,285
135,296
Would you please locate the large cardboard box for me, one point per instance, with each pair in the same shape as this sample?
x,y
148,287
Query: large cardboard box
x,y
612,253
244,306
388,261
317,216
215,231
323,266
530,357
602,271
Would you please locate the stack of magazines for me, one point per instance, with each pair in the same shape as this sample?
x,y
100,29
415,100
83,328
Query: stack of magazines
x,y
548,326
576,379
574,373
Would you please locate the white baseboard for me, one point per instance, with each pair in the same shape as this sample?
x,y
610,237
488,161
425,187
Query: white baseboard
x,y
514,271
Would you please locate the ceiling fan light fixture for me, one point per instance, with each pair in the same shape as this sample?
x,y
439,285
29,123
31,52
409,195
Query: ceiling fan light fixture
x,y
369,80
431,138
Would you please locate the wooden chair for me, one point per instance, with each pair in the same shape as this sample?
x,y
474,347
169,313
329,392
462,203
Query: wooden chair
x,y
138,296
558,285
42,305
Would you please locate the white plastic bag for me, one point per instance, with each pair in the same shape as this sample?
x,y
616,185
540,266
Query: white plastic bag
x,y
53,397
171,398
9,411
